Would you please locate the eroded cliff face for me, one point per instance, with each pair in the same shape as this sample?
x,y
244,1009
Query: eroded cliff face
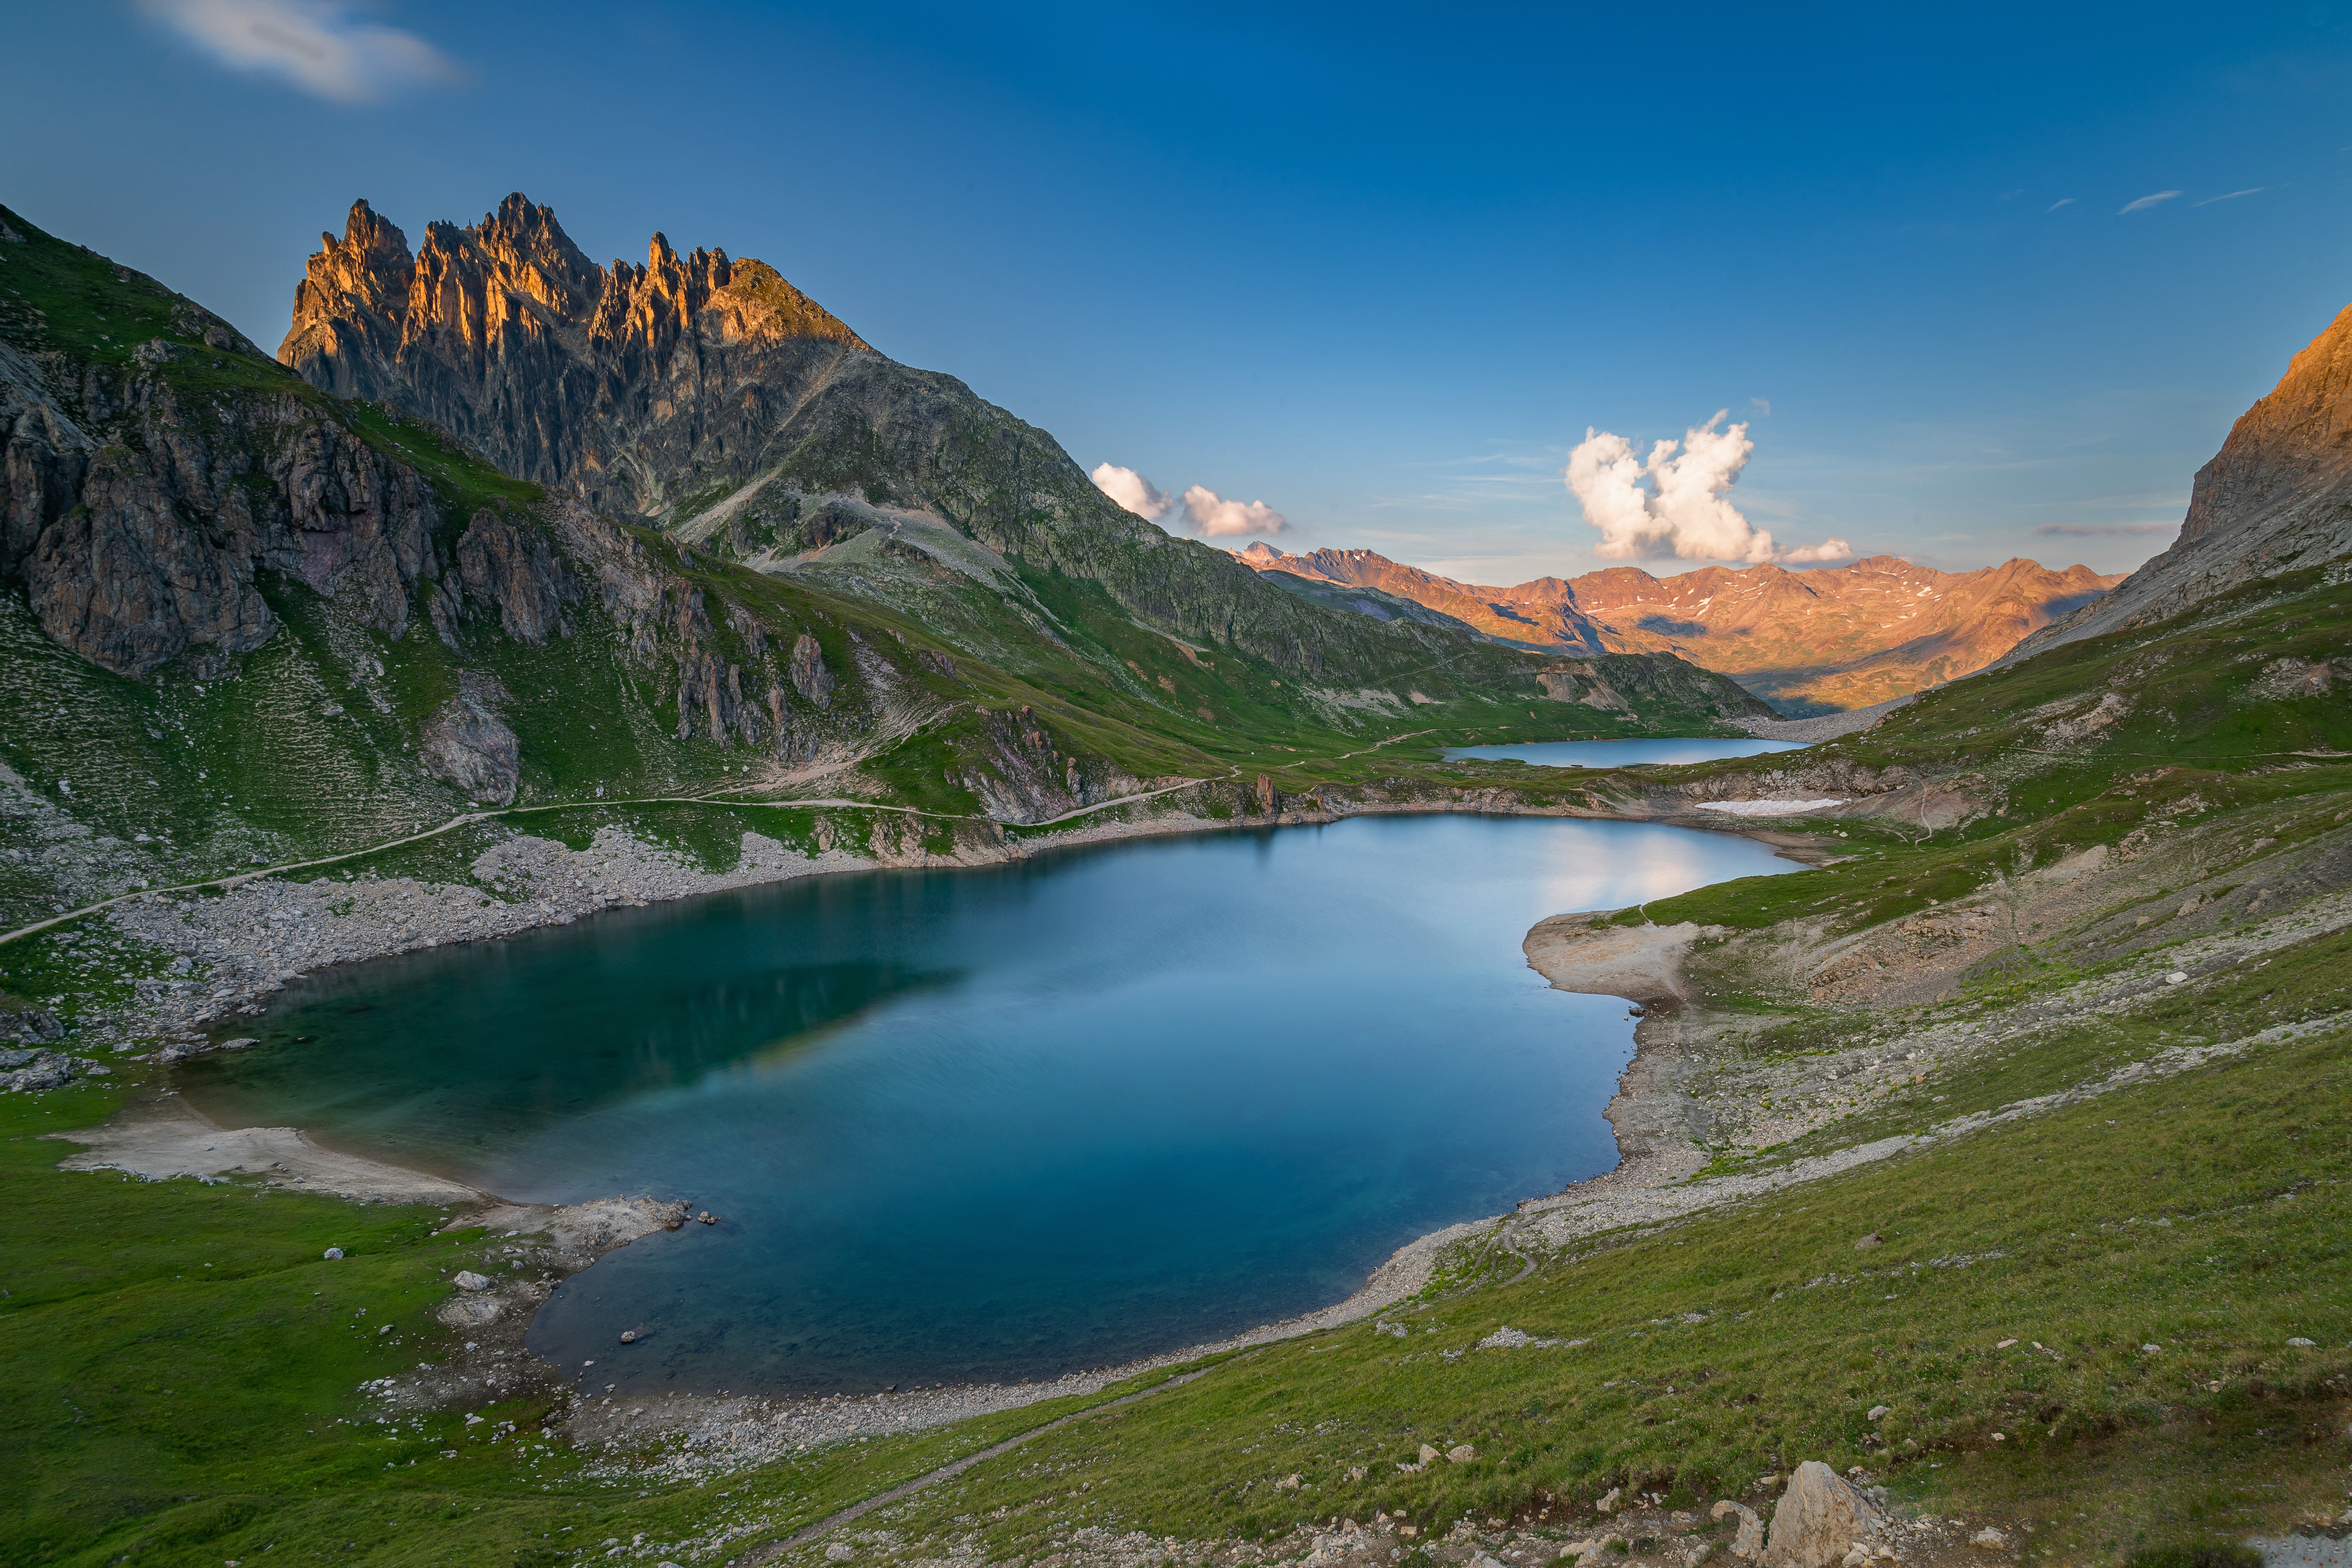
x,y
611,381
139,511
2276,497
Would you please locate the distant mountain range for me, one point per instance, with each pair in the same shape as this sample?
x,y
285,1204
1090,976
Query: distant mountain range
x,y
1807,642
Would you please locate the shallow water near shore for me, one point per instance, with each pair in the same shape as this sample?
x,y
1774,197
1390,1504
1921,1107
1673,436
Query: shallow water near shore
x,y
988,1124
1621,753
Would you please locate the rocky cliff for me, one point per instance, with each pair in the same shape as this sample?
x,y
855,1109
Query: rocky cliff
x,y
1809,641
2276,497
156,465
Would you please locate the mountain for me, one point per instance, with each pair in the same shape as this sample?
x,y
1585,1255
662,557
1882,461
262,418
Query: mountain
x,y
706,395
2277,496
1807,641
245,617
1541,614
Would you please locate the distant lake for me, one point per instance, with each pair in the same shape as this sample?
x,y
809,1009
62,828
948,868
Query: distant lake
x,y
1620,753
1006,1122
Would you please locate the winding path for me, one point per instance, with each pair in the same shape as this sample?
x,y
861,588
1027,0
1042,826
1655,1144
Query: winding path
x,y
834,1521
471,816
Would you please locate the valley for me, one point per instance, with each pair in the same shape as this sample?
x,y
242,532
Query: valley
x,y
1988,1152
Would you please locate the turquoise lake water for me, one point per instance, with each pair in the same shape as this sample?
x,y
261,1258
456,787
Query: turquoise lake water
x,y
982,1125
1620,753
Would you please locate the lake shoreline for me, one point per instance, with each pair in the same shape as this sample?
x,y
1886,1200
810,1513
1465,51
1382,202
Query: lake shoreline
x,y
275,936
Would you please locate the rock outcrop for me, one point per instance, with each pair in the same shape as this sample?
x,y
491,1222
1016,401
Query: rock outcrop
x,y
2276,497
466,743
139,509
1820,1518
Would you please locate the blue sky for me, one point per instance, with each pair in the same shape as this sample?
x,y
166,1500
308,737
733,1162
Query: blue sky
x,y
1378,267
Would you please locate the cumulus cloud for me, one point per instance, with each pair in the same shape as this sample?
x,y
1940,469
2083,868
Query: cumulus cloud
x,y
2145,201
1212,516
318,46
1133,491
1674,502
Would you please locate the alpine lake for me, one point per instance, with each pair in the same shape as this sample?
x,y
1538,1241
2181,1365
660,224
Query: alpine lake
x,y
981,1125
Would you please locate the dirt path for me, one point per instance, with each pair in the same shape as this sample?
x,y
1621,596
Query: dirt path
x,y
827,1525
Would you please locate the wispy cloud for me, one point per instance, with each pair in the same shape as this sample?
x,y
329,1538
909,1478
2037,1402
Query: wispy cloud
x,y
2060,201
2145,201
1762,405
2103,529
317,46
1133,491
1213,515
2231,197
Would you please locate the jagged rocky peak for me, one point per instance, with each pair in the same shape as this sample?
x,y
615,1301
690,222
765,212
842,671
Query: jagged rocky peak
x,y
498,286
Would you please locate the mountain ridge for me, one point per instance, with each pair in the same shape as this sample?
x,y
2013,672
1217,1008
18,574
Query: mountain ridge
x,y
1808,641
657,394
2279,492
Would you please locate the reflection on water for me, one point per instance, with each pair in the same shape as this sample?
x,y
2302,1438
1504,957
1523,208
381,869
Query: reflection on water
x,y
1000,1123
1620,753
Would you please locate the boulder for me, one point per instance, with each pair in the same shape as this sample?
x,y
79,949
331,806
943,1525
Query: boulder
x,y
469,1280
1460,1454
467,746
1820,1519
1749,1544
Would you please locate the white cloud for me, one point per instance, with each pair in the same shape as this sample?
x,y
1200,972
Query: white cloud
x,y
2060,201
1211,515
1762,405
2145,201
1674,505
2231,197
318,46
1133,491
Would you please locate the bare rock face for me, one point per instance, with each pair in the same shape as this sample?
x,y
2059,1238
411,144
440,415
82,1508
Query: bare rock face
x,y
810,677
557,370
467,744
2276,497
1819,1519
139,522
